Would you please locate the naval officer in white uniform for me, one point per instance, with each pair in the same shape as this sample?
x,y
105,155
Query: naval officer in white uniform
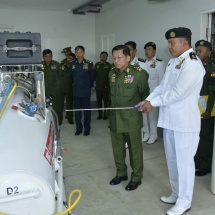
x,y
155,68
179,116
134,60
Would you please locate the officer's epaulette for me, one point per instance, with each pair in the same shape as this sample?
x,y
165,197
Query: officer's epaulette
x,y
193,56
138,68
63,64
113,67
142,60
159,59
54,61
88,61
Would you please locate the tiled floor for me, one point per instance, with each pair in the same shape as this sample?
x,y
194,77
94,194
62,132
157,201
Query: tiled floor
x,y
89,166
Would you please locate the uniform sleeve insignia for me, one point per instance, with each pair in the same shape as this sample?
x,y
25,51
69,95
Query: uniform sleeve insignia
x,y
193,56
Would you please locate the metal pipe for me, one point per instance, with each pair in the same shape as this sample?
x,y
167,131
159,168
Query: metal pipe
x,y
60,185
118,108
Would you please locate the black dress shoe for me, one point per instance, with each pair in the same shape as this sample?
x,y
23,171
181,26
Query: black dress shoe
x,y
132,185
118,180
104,117
78,133
71,122
99,117
86,133
202,172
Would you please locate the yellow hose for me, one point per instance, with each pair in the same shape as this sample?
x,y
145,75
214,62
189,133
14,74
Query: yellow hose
x,y
70,207
7,100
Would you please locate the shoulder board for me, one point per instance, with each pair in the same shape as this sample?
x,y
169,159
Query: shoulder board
x,y
138,68
54,61
142,60
193,56
62,64
88,61
113,67
159,59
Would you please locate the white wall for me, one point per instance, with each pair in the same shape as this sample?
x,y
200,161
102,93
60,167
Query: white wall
x,y
58,29
141,21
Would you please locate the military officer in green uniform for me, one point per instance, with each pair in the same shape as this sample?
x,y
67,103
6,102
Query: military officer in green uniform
x,y
203,157
128,86
51,71
65,78
66,52
212,56
102,69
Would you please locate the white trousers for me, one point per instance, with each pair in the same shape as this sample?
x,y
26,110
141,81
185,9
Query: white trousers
x,y
150,121
180,148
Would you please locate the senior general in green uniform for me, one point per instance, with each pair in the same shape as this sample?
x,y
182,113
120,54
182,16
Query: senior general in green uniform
x,y
128,86
203,157
51,77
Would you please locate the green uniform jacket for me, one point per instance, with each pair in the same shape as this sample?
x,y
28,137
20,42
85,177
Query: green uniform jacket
x,y
208,87
65,78
126,90
63,61
101,75
51,77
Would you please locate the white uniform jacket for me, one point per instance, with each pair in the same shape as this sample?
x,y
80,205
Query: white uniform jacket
x,y
136,62
178,94
156,69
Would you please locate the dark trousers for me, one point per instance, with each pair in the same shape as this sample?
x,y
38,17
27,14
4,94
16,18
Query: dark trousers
x,y
134,142
203,157
69,105
82,103
102,95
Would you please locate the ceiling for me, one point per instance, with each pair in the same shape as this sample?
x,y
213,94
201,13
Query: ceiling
x,y
53,5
